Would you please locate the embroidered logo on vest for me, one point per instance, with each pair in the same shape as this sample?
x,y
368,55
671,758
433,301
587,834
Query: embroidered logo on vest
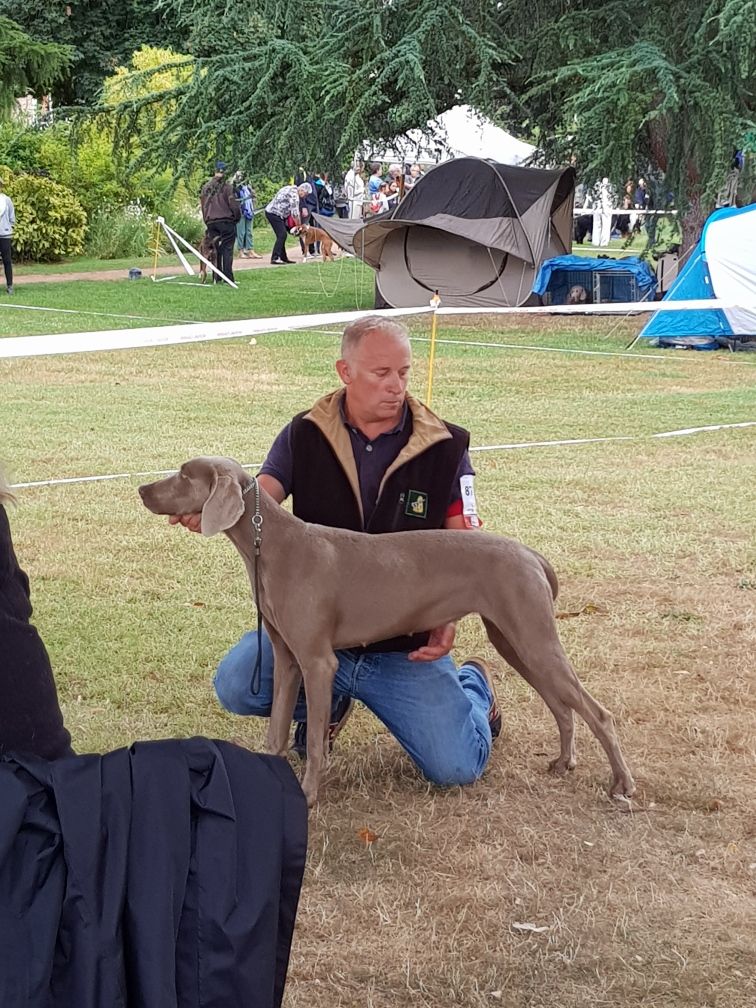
x,y
417,504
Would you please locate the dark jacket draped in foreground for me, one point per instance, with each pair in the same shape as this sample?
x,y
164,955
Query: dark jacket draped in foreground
x,y
166,875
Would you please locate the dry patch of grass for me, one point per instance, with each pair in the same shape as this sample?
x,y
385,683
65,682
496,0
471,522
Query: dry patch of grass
x,y
523,890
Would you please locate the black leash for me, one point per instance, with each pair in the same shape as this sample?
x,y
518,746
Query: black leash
x,y
257,521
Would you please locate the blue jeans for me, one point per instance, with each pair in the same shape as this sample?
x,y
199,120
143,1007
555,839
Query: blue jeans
x,y
438,713
244,238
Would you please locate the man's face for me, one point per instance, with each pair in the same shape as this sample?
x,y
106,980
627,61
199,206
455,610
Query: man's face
x,y
376,374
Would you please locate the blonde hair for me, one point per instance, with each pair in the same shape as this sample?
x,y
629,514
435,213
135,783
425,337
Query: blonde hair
x,y
355,332
6,497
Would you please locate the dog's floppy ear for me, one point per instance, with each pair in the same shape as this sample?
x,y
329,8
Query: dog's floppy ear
x,y
224,507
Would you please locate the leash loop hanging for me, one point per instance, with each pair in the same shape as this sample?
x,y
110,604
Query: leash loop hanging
x,y
257,522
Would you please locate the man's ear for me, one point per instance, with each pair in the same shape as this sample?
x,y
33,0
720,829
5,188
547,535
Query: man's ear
x,y
224,507
342,369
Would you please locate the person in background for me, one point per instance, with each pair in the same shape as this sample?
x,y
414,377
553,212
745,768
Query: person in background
x,y
7,220
30,717
413,177
341,200
395,179
325,193
379,201
220,212
245,196
622,221
308,205
603,199
629,201
283,213
375,181
354,186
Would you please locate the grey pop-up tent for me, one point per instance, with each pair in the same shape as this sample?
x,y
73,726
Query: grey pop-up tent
x,y
473,230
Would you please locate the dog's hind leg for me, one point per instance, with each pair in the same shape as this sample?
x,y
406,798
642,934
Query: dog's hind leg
x,y
544,665
562,712
286,680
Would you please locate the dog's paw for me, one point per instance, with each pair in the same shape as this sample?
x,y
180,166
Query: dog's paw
x,y
562,764
623,786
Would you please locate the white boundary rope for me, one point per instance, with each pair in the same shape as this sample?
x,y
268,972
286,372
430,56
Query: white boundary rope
x,y
121,339
100,314
544,349
566,442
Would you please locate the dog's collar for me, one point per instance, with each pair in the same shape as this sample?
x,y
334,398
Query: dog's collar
x,y
250,486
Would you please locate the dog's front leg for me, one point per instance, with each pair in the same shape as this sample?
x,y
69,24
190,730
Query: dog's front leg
x,y
286,679
318,674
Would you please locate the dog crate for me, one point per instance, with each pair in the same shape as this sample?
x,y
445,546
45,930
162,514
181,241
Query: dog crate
x,y
563,280
604,280
614,286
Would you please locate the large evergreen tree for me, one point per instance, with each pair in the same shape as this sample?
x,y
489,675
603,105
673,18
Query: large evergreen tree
x,y
625,89
617,88
277,83
27,65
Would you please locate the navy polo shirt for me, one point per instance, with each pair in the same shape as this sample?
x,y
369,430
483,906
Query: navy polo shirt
x,y
372,459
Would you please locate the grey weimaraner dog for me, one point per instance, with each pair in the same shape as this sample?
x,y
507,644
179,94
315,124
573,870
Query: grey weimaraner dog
x,y
322,589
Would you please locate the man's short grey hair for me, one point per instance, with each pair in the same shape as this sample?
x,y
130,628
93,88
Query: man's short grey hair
x,y
355,332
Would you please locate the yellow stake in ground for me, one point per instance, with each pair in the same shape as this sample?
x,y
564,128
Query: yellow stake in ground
x,y
435,301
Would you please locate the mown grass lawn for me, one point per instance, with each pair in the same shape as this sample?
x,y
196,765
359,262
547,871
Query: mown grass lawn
x,y
652,538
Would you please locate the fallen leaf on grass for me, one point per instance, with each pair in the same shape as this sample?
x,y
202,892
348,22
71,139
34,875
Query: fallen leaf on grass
x,y
589,609
367,836
529,927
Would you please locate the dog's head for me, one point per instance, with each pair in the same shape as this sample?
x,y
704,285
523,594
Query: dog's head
x,y
212,486
577,295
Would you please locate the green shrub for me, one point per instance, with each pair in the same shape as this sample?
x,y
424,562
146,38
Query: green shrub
x,y
187,222
118,234
50,221
130,231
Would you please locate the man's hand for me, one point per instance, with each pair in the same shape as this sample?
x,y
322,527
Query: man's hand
x,y
191,521
440,643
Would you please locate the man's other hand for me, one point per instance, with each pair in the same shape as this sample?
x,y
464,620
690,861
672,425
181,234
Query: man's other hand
x,y
440,643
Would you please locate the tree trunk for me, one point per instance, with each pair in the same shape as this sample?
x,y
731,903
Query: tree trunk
x,y
692,221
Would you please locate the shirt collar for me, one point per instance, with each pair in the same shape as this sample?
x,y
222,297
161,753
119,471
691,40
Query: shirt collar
x,y
395,430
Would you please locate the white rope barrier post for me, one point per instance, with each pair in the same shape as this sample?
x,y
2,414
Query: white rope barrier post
x,y
172,236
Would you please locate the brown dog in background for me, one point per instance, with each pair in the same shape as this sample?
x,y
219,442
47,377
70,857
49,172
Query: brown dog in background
x,y
209,249
309,235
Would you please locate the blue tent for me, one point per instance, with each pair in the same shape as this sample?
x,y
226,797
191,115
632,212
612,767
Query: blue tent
x,y
725,235
629,279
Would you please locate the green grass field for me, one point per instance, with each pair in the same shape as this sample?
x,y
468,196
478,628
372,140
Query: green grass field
x,y
652,538
92,304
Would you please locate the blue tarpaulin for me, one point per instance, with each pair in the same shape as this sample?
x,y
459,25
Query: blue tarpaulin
x,y
557,275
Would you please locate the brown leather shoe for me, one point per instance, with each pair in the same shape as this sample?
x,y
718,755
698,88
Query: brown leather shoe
x,y
494,714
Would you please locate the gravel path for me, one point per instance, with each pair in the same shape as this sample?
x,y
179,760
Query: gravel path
x,y
122,274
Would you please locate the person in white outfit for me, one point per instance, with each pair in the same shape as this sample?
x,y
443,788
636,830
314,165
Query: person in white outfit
x,y
7,220
354,184
603,204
